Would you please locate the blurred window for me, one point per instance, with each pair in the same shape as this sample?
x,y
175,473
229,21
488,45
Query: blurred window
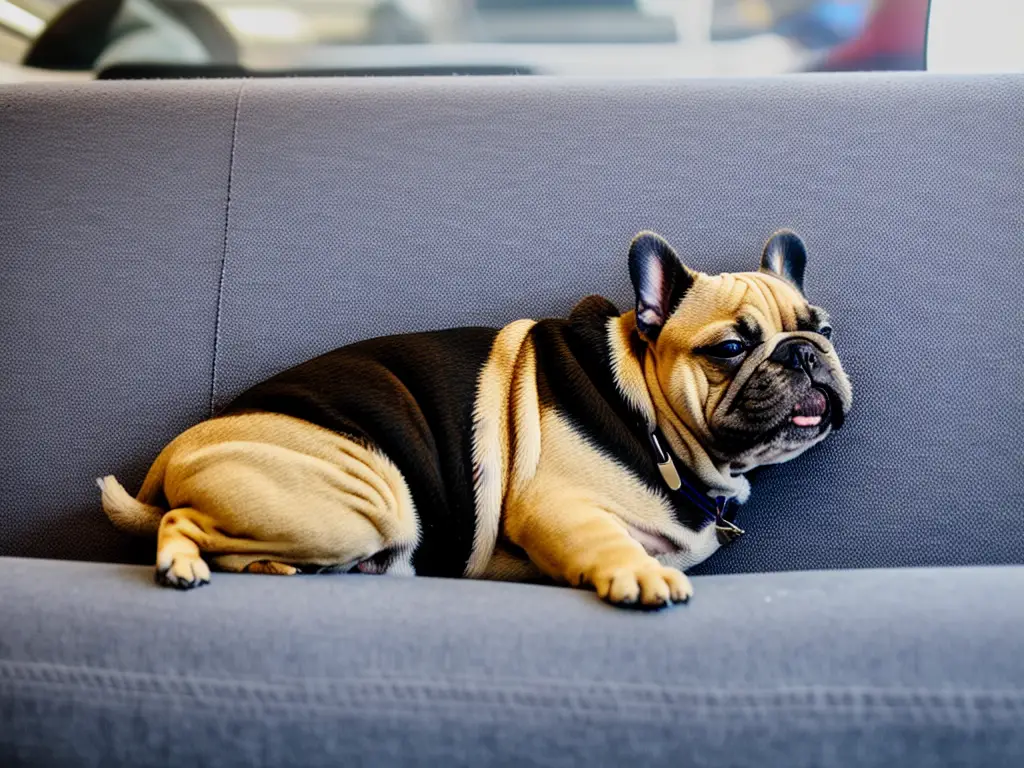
x,y
578,37
976,36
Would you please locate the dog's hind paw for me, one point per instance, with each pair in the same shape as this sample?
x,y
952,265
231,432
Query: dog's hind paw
x,y
183,572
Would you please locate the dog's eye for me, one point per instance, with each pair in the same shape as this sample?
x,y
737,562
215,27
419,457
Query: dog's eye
x,y
727,349
826,331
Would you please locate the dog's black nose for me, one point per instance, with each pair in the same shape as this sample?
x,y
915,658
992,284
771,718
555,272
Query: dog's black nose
x,y
796,354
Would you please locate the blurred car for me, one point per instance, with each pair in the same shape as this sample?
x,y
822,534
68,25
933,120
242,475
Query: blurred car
x,y
893,38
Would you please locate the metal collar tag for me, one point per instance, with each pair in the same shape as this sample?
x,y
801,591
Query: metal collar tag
x,y
721,512
666,466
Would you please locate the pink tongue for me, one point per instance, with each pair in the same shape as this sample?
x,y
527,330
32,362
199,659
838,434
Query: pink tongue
x,y
807,421
808,412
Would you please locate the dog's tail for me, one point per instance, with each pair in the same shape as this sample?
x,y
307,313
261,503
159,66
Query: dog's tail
x,y
137,516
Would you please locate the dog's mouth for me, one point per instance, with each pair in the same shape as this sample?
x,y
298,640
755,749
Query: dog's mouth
x,y
812,409
817,409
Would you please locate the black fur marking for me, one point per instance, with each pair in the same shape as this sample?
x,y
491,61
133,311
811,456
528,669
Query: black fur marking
x,y
411,396
660,282
806,323
750,330
816,321
574,376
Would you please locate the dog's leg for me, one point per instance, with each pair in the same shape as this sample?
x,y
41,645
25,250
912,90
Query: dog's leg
x,y
266,564
586,545
178,561
265,493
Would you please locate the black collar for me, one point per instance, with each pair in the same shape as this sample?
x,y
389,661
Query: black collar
x,y
720,511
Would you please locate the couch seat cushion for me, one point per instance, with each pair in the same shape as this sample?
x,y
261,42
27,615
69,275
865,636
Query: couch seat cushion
x,y
98,666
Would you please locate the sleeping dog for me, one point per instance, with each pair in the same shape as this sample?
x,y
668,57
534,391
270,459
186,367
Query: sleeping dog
x,y
603,450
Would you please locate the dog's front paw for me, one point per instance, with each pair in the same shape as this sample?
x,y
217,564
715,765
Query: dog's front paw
x,y
183,571
652,585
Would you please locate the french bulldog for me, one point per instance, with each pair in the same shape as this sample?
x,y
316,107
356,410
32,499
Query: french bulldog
x,y
603,450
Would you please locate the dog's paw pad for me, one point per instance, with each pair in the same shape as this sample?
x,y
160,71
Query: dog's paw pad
x,y
679,586
623,588
654,586
184,572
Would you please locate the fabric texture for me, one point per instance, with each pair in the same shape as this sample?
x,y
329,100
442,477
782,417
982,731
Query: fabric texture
x,y
112,205
98,666
343,209
369,207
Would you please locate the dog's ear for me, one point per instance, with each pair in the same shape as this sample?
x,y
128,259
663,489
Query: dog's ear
x,y
659,279
785,256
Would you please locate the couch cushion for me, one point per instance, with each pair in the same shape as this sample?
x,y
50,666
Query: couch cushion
x,y
364,207
112,204
877,667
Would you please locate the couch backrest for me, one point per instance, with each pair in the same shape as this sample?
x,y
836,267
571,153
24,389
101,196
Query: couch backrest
x,y
167,244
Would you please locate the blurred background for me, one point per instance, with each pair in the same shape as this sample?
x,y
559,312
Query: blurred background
x,y
140,38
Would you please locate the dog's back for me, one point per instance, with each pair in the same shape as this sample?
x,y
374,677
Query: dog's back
x,y
411,397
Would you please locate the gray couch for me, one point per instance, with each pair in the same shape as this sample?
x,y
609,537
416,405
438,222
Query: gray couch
x,y
164,245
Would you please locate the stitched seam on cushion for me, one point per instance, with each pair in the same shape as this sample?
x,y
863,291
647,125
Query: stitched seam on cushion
x,y
355,693
350,703
224,252
567,710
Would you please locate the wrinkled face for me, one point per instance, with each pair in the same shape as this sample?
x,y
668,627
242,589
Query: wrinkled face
x,y
744,360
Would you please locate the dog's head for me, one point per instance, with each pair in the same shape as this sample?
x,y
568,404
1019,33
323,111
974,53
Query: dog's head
x,y
742,359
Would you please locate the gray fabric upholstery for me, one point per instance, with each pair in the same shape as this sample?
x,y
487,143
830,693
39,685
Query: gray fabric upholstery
x,y
364,207
872,668
112,203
